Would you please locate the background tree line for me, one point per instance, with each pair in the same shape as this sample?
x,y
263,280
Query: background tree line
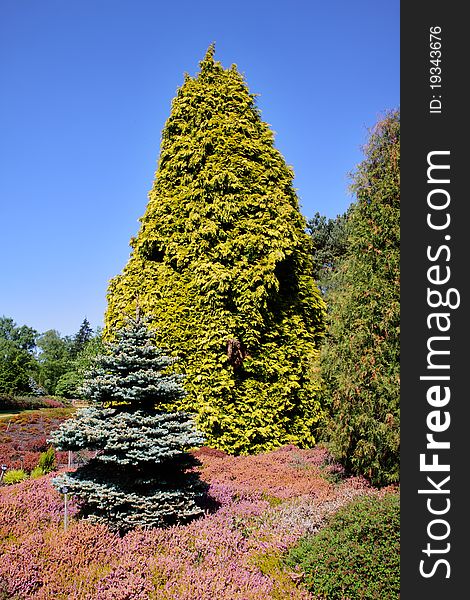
x,y
33,363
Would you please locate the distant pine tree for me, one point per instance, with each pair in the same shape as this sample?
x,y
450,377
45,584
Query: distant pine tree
x,y
139,476
81,338
329,246
222,262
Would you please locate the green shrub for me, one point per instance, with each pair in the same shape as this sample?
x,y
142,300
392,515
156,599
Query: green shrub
x,y
356,555
47,460
14,476
36,472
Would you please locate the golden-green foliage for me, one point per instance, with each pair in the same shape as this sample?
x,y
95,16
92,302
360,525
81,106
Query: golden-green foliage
x,y
221,265
14,476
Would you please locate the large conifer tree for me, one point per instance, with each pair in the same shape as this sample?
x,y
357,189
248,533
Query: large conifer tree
x,y
361,357
222,264
139,475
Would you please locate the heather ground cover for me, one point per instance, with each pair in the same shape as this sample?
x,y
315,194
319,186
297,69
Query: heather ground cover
x,y
23,436
15,404
261,506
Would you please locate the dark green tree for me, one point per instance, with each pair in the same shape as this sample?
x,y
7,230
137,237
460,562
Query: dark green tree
x,y
141,474
17,362
329,246
23,337
83,335
54,359
222,262
360,358
16,366
70,383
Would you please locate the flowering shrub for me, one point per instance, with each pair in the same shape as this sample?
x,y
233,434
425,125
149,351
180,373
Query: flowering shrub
x,y
260,507
8,402
30,506
28,460
54,403
35,444
279,475
23,437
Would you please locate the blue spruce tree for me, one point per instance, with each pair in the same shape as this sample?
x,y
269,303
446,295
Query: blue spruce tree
x,y
141,473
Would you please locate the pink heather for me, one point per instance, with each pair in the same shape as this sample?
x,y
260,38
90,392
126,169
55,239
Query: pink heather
x,y
266,503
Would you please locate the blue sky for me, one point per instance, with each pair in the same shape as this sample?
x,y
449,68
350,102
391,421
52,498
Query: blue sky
x,y
86,87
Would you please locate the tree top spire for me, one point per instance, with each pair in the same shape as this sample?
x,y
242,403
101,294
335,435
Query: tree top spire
x,y
208,60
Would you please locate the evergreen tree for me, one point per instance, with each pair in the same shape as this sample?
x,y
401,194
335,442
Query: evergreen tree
x,y
222,262
360,359
139,476
81,338
329,246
